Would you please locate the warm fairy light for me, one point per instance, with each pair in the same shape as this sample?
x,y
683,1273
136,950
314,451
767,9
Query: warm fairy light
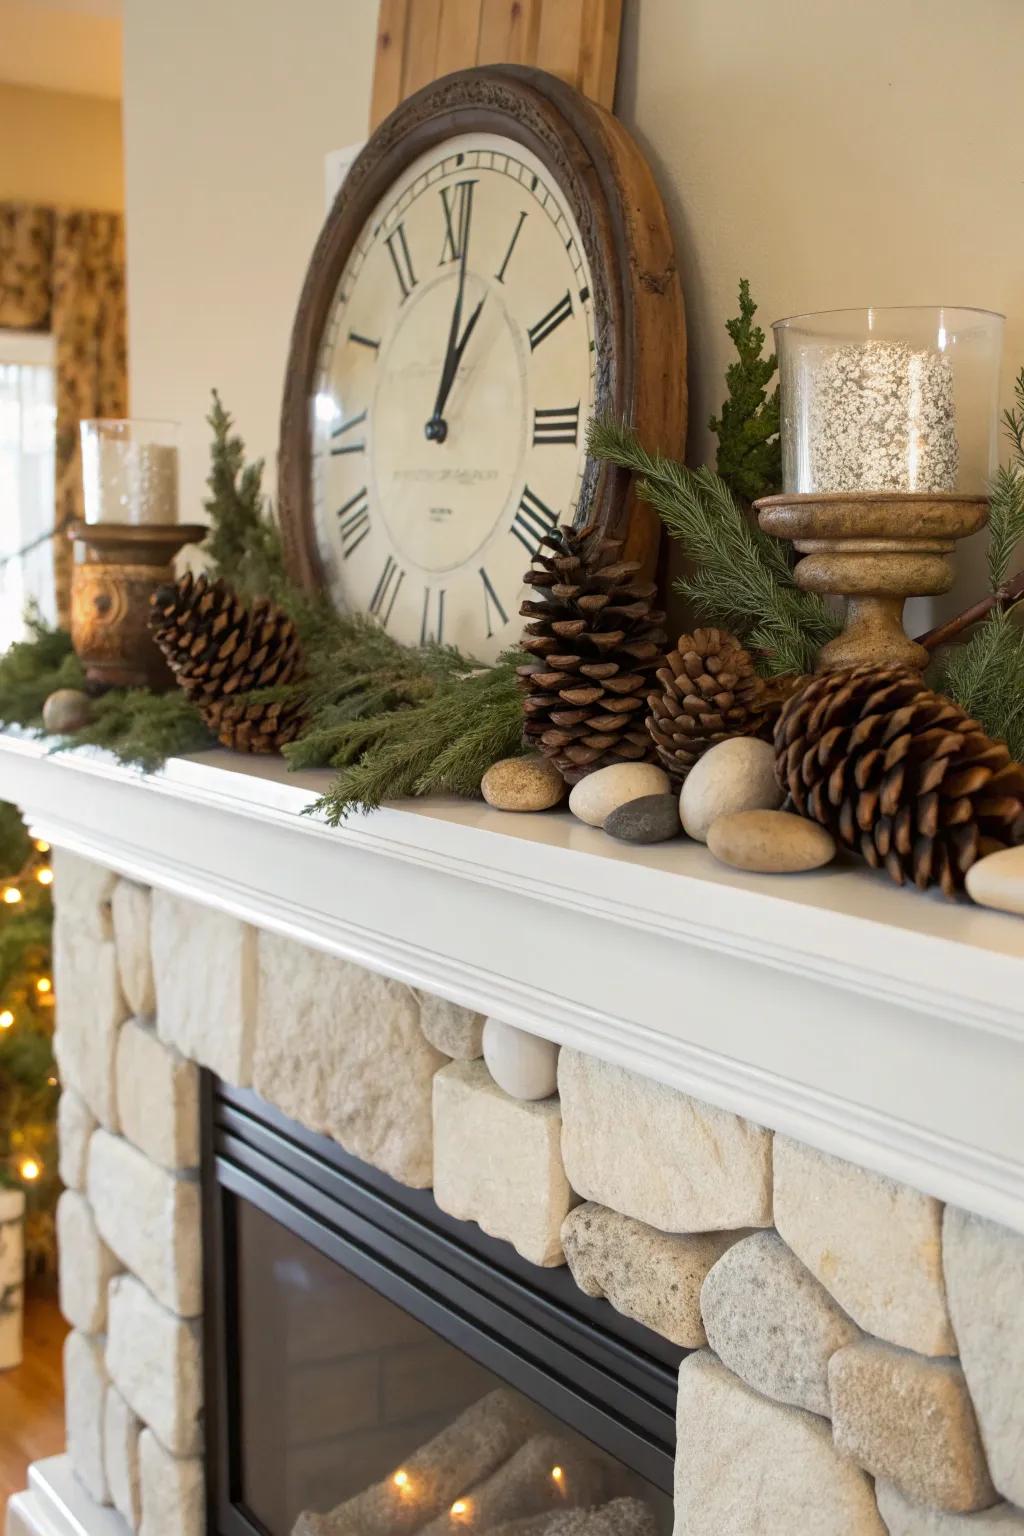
x,y
460,1508
52,1082
6,1019
557,1474
44,984
29,1169
45,875
401,1479
11,895
41,846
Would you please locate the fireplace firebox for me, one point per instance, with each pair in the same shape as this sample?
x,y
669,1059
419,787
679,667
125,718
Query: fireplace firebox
x,y
375,1367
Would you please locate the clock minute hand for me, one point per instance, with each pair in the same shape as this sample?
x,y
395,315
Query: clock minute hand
x,y
436,429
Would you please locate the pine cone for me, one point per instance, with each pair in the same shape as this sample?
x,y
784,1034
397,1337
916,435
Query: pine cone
x,y
710,691
899,774
597,641
220,650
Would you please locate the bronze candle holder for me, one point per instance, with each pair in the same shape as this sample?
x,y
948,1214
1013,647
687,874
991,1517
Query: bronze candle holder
x,y
876,550
118,567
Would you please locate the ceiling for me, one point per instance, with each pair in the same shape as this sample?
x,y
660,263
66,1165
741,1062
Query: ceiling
x,y
62,45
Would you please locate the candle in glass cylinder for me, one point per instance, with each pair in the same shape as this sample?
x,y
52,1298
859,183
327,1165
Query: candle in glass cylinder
x,y
130,472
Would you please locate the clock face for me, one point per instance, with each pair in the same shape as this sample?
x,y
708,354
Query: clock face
x,y
454,381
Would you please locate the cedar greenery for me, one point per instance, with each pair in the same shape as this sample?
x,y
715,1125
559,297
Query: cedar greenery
x,y
749,445
742,580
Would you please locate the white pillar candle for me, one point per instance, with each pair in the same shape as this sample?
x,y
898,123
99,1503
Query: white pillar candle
x,y
127,479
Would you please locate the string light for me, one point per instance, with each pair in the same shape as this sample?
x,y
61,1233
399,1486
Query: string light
x,y
6,1019
401,1478
557,1474
12,895
29,1169
45,875
41,846
460,1508
52,1081
44,984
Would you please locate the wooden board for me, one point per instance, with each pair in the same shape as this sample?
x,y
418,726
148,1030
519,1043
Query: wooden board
x,y
419,40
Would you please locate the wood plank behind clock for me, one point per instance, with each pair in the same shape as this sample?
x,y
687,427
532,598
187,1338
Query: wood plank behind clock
x,y
418,40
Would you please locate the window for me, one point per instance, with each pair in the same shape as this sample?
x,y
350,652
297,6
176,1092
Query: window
x,y
27,442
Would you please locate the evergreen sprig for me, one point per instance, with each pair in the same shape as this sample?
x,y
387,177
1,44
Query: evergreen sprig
x,y
985,676
1005,523
33,668
1013,419
749,445
243,544
142,729
441,745
742,578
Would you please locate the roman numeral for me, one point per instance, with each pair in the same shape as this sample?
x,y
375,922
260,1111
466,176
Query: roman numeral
x,y
457,206
550,322
398,250
561,424
364,341
533,520
354,522
500,274
359,444
386,590
490,596
432,633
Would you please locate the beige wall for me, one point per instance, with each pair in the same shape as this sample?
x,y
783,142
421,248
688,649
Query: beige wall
x,y
834,153
60,148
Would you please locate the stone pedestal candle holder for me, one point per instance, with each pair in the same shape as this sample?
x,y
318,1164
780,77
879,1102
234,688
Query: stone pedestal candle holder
x,y
874,549
118,567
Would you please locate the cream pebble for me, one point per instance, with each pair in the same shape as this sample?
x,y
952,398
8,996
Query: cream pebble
x,y
737,775
594,798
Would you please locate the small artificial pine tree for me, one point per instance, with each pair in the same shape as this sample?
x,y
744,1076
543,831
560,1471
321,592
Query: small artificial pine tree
x,y
749,445
28,1076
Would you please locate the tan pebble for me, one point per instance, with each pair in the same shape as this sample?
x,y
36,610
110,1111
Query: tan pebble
x,y
998,881
770,842
523,784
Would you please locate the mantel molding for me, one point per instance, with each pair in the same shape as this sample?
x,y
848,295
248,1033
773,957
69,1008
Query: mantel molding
x,y
880,1025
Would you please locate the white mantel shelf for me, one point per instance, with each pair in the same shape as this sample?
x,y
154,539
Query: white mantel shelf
x,y
878,1024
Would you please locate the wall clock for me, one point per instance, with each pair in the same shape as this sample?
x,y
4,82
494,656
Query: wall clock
x,y
498,267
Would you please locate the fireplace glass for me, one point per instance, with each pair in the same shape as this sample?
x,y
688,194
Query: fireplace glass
x,y
356,1417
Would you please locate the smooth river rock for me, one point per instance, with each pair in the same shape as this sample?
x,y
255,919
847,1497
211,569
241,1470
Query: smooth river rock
x,y
998,881
651,819
737,775
770,842
595,798
66,710
523,784
522,1064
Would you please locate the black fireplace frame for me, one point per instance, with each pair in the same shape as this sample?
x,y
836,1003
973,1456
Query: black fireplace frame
x,y
607,1377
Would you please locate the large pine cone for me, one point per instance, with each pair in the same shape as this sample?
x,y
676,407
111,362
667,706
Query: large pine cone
x,y
709,691
899,774
597,641
220,650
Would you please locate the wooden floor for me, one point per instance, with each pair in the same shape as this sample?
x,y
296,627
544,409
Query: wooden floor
x,y
32,1399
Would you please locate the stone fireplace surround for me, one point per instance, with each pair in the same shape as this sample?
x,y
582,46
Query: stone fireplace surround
x,y
858,1361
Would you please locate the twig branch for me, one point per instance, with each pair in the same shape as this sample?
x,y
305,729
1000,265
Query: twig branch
x,y
1009,593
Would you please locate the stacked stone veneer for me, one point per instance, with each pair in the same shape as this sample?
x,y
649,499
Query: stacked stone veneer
x,y
858,1350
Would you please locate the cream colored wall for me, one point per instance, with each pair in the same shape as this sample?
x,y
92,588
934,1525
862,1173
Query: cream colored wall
x,y
834,153
60,148
229,111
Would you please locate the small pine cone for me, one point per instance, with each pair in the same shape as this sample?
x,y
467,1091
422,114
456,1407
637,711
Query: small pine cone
x,y
899,774
709,692
221,650
596,641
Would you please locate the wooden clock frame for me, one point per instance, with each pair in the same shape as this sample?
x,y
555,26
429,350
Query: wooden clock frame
x,y
637,302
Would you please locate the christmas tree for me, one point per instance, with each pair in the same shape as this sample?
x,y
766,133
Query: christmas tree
x,y
28,1075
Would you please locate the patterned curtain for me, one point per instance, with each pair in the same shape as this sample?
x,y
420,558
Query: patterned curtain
x,y
64,271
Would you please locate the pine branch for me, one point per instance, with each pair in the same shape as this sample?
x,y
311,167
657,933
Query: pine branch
x,y
443,745
141,728
985,676
1013,420
32,669
1005,523
749,445
742,579
243,544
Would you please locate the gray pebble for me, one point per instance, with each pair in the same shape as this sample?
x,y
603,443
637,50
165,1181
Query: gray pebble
x,y
651,819
65,711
